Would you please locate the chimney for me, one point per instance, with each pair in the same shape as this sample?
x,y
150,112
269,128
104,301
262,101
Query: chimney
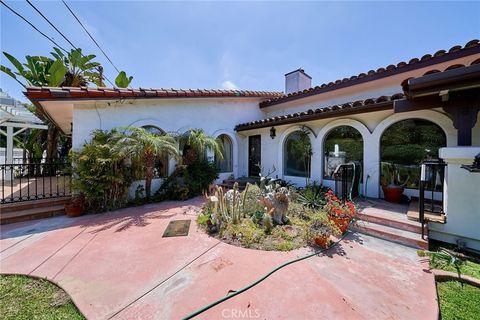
x,y
297,80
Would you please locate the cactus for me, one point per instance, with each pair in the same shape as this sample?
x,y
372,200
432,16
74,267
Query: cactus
x,y
267,222
244,198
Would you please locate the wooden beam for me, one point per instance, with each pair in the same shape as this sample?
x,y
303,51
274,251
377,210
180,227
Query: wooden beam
x,y
407,105
464,119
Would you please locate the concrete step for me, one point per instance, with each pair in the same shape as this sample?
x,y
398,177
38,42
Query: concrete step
x,y
414,215
390,220
25,205
407,238
32,214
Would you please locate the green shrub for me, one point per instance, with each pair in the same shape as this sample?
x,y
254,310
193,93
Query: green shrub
x,y
188,181
100,174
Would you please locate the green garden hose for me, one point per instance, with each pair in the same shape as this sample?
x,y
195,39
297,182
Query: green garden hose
x,y
251,285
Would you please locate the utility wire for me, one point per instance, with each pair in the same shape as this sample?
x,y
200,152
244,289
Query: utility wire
x,y
31,25
50,23
43,34
91,37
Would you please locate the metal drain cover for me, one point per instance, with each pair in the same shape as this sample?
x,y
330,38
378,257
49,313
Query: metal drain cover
x,y
177,228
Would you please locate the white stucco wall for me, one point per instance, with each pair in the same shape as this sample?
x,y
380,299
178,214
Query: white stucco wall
x,y
215,116
462,206
370,125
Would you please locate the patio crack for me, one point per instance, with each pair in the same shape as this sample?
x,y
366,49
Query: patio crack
x,y
163,281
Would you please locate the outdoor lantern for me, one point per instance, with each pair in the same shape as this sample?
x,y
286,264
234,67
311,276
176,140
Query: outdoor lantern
x,y
273,133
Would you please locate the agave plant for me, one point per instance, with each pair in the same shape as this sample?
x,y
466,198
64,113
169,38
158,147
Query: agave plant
x,y
444,256
313,196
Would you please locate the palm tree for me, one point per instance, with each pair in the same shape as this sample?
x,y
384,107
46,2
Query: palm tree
x,y
196,143
144,146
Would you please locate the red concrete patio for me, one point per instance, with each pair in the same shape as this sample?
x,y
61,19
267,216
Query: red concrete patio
x,y
118,266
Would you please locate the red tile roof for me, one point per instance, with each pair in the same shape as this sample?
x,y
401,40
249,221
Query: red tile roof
x,y
472,47
73,93
360,106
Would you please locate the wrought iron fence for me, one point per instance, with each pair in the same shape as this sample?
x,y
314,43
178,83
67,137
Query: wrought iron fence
x,y
35,180
432,179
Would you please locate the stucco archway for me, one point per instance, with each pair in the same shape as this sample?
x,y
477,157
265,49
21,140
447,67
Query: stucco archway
x,y
234,141
436,117
281,146
359,126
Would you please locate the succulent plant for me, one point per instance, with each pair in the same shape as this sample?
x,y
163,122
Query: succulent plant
x,y
267,222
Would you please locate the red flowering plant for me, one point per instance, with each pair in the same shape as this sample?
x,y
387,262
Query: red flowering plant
x,y
340,213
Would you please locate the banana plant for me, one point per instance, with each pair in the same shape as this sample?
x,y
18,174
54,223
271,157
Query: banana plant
x,y
122,80
36,71
80,68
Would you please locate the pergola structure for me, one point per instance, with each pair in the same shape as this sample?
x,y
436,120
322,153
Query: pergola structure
x,y
16,119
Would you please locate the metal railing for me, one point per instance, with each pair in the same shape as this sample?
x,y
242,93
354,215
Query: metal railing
x,y
432,178
343,182
35,180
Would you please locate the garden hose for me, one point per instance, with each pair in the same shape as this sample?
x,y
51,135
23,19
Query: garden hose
x,y
366,186
232,294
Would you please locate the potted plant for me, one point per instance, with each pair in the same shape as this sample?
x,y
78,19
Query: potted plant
x,y
76,207
319,233
391,185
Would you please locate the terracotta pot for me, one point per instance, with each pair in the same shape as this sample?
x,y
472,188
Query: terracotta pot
x,y
74,208
322,241
393,193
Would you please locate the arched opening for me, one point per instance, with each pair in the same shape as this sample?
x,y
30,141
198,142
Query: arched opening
x,y
161,161
225,164
297,154
342,145
403,146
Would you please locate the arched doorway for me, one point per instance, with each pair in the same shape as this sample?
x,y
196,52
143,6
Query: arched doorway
x,y
403,146
342,144
297,154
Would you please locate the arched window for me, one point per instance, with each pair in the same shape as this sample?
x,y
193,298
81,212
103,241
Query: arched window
x,y
297,155
225,164
404,145
342,145
161,161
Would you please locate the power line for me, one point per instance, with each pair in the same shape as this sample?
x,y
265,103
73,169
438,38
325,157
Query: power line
x,y
91,37
50,23
43,34
65,37
31,25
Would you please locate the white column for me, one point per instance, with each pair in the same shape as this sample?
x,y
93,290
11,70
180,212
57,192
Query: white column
x,y
371,166
317,160
9,153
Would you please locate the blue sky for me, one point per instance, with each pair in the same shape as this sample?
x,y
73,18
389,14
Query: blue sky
x,y
244,45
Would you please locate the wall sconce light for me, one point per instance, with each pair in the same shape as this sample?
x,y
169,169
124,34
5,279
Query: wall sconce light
x,y
273,133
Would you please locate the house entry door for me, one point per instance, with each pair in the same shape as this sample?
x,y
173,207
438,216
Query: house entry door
x,y
254,155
